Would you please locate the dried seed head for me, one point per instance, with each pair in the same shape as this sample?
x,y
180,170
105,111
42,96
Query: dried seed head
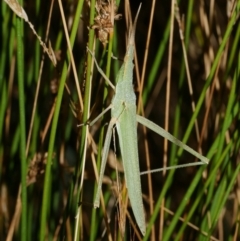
x,y
104,20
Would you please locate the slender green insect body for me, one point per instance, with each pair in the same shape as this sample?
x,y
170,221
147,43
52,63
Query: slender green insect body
x,y
126,124
124,116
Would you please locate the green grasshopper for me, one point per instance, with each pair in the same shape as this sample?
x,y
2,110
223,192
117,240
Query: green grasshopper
x,y
125,118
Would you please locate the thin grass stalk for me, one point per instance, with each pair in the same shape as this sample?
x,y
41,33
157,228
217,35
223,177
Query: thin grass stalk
x,y
71,200
234,50
182,78
83,142
22,123
47,179
3,106
3,84
181,81
157,62
32,147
